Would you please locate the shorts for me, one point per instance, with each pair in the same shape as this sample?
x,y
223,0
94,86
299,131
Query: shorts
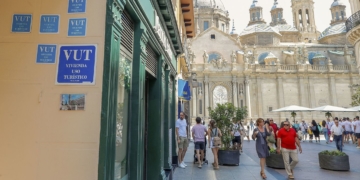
x,y
357,135
311,136
237,139
346,132
184,143
199,145
351,132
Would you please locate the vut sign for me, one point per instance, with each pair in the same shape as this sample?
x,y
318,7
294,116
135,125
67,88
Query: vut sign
x,y
77,64
21,23
77,6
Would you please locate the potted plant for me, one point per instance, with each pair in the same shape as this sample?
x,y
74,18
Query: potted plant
x,y
224,114
334,160
328,114
275,160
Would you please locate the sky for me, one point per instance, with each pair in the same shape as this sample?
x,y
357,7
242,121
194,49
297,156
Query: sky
x,y
239,11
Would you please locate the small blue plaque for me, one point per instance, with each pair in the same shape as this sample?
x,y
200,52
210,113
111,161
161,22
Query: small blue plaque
x,y
21,23
77,6
46,54
76,65
77,27
49,23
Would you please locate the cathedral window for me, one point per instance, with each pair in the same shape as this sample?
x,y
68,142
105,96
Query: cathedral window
x,y
223,27
258,16
279,15
342,15
212,36
337,16
307,17
253,16
206,25
220,95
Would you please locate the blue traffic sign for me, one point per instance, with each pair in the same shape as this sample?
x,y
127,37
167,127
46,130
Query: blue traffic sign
x,y
49,23
77,6
76,65
77,27
21,23
46,54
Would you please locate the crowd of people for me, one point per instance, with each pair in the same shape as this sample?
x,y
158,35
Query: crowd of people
x,y
286,138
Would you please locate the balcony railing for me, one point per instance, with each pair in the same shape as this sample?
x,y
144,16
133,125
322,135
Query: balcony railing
x,y
352,21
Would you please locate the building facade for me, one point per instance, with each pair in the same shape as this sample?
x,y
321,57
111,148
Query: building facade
x,y
88,88
353,28
269,66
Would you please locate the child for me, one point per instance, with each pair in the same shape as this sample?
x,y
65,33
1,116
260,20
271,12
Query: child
x,y
247,133
310,134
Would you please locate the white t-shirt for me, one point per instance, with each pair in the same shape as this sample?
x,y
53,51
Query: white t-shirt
x,y
330,124
181,125
347,125
337,130
353,124
357,124
303,126
237,128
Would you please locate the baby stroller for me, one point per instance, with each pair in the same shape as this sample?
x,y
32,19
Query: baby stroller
x,y
204,160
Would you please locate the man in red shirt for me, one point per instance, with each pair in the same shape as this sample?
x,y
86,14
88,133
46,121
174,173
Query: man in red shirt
x,y
275,129
287,140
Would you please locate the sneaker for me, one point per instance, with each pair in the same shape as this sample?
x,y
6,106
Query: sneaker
x,y
199,166
181,166
358,147
184,164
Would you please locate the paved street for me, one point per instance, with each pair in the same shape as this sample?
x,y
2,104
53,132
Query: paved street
x,y
249,168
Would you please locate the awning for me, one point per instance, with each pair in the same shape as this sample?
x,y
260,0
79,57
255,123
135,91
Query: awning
x,y
184,91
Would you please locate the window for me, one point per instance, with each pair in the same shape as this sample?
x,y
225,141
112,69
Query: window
x,y
337,16
342,15
223,27
206,25
212,36
200,106
270,109
258,16
279,15
253,16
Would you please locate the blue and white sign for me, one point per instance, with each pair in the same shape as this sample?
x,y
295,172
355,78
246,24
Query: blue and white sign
x,y
21,23
46,54
76,65
77,27
77,6
49,23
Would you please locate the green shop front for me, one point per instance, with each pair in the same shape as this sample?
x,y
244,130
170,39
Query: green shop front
x,y
138,99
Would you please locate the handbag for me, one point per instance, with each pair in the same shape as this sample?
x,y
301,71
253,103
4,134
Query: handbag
x,y
216,141
271,139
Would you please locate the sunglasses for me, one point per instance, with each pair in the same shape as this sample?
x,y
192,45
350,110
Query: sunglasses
x,y
271,120
286,124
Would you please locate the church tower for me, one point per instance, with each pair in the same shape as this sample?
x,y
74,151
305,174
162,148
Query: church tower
x,y
256,15
277,14
304,19
338,12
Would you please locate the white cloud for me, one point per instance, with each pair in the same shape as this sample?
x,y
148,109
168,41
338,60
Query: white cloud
x,y
239,11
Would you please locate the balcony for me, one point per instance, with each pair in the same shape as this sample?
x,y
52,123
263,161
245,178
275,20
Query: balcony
x,y
353,28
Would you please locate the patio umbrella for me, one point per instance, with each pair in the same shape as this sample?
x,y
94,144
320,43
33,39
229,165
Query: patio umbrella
x,y
357,108
328,109
293,109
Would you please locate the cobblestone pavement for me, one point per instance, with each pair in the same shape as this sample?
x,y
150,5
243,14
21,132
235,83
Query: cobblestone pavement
x,y
249,168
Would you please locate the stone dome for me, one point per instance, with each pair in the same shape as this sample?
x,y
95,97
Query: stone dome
x,y
337,3
209,4
333,30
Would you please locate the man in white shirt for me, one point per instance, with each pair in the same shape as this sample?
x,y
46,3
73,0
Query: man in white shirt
x,y
304,128
330,124
357,131
347,126
182,138
337,131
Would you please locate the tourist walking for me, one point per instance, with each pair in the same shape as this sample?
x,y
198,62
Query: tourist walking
x,y
330,124
260,133
304,130
247,131
199,133
325,131
182,138
236,141
275,129
357,131
251,124
315,130
287,140
347,125
214,132
337,132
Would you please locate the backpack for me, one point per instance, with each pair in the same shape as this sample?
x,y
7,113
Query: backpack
x,y
313,128
216,141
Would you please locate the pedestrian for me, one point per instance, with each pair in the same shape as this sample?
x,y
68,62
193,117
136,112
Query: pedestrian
x,y
247,133
296,126
270,139
330,124
315,130
242,136
251,124
275,129
260,133
236,141
182,138
337,131
304,130
214,132
288,140
347,125
311,134
199,133
357,131
325,131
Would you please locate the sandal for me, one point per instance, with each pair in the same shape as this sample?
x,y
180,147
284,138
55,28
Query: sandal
x,y
263,175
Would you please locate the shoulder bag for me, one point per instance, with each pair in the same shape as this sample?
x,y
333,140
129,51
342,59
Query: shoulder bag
x,y
216,139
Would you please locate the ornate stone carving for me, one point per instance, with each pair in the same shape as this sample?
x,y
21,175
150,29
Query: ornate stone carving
x,y
219,63
233,57
205,57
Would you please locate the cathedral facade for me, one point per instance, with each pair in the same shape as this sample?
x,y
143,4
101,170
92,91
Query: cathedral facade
x,y
271,65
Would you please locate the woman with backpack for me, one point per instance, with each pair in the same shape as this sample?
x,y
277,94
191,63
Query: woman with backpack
x,y
214,142
315,130
260,134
